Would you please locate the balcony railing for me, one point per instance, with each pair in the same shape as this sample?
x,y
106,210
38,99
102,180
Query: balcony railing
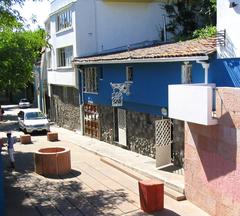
x,y
192,103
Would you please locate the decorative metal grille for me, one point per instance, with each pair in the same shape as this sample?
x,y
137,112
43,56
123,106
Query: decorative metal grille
x,y
118,90
163,132
221,38
117,99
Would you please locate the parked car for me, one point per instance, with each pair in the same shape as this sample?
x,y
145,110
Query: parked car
x,y
24,103
31,120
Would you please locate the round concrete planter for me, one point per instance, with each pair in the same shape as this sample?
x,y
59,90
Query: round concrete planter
x,y
52,161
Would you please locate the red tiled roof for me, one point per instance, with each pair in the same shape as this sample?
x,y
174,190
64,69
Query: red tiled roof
x,y
190,48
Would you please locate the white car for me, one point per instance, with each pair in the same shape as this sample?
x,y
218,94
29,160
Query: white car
x,y
24,103
33,120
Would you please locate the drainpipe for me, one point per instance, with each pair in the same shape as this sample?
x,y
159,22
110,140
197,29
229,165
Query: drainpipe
x,y
206,67
81,101
164,28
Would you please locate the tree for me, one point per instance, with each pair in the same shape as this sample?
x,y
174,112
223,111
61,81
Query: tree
x,y
19,50
9,17
187,16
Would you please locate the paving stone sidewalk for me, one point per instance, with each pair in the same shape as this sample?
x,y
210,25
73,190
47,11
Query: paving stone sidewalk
x,y
92,187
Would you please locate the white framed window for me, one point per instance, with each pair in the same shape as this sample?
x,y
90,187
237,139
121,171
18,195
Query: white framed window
x,y
63,20
90,78
49,59
129,73
65,56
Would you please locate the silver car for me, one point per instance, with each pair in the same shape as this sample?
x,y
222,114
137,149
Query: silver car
x,y
24,103
31,120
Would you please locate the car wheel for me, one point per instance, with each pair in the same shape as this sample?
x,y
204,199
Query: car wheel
x,y
25,130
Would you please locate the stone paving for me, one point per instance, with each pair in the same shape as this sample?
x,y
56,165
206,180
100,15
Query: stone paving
x,y
92,187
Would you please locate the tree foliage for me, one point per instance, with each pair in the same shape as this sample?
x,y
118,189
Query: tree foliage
x,y
9,17
187,16
19,50
206,32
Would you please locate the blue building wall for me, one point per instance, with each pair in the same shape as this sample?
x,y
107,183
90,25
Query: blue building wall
x,y
225,72
149,90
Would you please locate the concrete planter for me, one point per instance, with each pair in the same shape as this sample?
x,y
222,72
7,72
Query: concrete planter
x,y
52,161
52,136
25,139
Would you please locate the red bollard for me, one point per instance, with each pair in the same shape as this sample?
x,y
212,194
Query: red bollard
x,y
151,195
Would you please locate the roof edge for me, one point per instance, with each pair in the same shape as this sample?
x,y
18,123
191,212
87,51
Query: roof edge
x,y
149,60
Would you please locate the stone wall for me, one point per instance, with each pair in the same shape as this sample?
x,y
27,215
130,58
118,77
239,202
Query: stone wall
x,y
107,123
212,158
65,110
141,133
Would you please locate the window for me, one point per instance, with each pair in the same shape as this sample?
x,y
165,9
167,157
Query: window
x,y
129,73
100,73
186,74
64,20
49,59
65,56
90,79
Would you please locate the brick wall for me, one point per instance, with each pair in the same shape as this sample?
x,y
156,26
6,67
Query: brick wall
x,y
212,158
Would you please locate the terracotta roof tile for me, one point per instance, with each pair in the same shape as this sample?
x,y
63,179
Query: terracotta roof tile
x,y
190,48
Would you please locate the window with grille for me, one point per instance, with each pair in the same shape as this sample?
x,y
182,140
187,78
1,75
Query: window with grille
x,y
65,56
64,20
90,77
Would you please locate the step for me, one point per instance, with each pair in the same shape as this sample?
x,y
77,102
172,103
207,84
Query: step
x,y
139,177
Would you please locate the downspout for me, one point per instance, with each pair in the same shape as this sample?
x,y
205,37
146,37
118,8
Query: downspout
x,y
81,102
206,67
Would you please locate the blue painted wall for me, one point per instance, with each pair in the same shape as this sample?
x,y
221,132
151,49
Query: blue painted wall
x,y
225,72
149,90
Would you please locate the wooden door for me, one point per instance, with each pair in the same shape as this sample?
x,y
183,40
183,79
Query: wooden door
x,y
91,121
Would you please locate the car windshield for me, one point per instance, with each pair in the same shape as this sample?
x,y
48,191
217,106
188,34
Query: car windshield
x,y
35,115
23,100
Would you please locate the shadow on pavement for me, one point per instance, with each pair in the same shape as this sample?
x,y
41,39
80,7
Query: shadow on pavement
x,y
32,194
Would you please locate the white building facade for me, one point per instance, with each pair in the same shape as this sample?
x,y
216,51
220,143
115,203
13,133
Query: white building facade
x,y
228,20
88,27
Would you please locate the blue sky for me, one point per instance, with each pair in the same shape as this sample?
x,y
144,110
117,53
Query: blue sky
x,y
39,9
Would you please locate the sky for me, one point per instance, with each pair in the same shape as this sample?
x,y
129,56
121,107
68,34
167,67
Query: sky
x,y
38,9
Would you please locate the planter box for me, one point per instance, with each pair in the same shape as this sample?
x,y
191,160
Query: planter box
x,y
25,139
52,136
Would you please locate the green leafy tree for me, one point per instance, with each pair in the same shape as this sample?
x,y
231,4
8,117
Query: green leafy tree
x,y
19,50
9,17
187,16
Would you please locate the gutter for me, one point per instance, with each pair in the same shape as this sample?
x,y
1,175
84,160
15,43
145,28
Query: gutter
x,y
150,60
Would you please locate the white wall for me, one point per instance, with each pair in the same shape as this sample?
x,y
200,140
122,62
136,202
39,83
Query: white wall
x,y
123,23
62,76
229,19
104,25
99,25
191,103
